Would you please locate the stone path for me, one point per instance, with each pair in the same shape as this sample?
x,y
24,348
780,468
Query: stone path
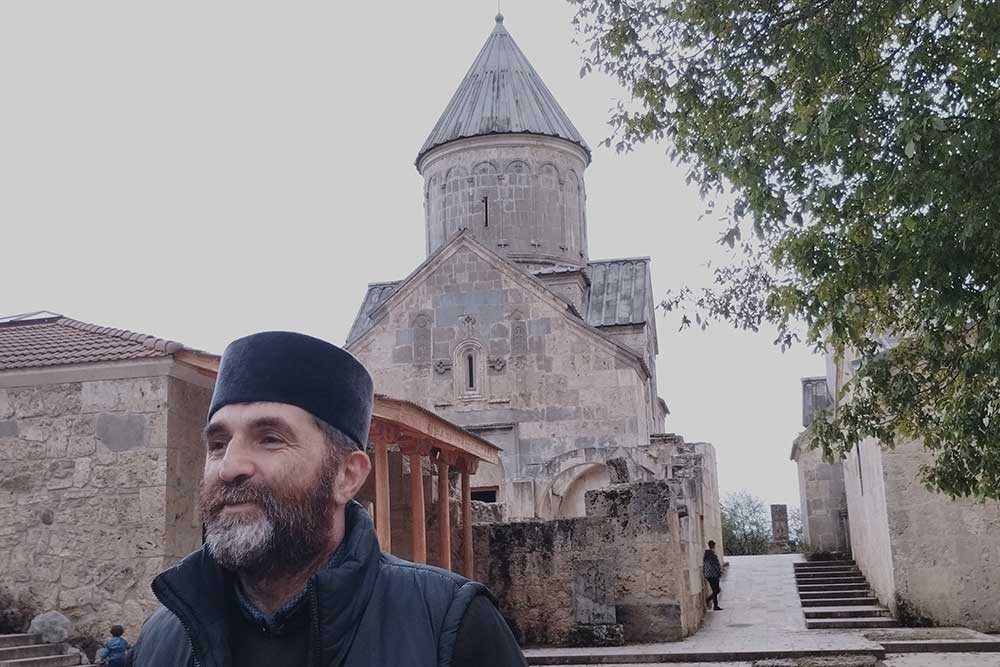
x,y
761,614
940,660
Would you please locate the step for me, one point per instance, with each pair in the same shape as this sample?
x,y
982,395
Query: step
x,y
839,586
850,623
817,584
858,611
858,592
828,576
630,656
19,640
828,573
941,646
46,661
30,651
839,602
820,564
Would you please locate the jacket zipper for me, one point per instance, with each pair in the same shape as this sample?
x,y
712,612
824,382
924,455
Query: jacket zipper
x,y
187,631
314,613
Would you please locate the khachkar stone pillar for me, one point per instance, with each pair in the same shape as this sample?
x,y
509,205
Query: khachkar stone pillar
x,y
779,530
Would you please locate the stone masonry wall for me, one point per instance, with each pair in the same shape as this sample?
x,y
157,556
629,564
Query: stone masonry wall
x,y
559,388
822,497
946,553
864,482
186,418
617,575
95,494
534,196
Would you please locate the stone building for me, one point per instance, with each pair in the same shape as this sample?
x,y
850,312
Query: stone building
x,y
929,558
100,462
509,328
626,571
821,483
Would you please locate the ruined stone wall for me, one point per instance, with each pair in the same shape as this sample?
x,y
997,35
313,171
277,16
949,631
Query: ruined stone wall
x,y
544,386
620,574
95,494
709,506
822,497
946,553
864,483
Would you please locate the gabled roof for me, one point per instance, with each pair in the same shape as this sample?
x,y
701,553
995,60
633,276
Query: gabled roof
x,y
46,339
502,93
379,294
376,294
618,291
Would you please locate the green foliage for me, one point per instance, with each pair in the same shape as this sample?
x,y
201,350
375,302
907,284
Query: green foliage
x,y
746,525
857,145
796,530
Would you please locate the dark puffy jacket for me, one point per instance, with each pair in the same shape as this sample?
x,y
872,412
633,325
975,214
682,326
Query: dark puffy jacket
x,y
367,608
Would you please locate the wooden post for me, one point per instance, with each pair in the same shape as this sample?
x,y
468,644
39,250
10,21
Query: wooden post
x,y
444,517
418,524
469,566
382,510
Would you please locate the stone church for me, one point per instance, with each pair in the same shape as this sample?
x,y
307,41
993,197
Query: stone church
x,y
509,328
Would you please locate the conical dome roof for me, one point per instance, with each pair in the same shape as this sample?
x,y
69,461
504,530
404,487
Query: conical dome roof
x,y
502,93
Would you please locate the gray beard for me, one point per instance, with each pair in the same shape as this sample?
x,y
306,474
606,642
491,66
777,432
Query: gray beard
x,y
237,544
290,530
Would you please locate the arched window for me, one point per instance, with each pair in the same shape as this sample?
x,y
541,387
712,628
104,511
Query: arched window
x,y
470,367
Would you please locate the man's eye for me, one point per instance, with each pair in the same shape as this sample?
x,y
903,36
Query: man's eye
x,y
216,445
271,439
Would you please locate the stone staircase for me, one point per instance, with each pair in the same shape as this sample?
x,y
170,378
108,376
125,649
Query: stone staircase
x,y
30,651
835,595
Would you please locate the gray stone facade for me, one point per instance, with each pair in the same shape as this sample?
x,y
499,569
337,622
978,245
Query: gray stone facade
x,y
822,497
544,384
508,328
521,196
929,558
821,483
98,482
626,571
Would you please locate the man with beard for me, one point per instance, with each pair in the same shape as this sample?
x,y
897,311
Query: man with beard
x,y
291,573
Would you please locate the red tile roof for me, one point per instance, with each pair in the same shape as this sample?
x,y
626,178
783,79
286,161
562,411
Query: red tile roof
x,y
59,341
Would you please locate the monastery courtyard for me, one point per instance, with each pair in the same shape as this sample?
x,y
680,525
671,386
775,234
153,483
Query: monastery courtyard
x,y
761,616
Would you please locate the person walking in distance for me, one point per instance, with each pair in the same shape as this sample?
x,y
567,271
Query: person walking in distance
x,y
713,572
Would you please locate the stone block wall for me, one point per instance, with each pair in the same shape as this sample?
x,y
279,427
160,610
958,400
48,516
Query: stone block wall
x,y
822,497
946,553
619,574
868,514
545,385
95,493
533,188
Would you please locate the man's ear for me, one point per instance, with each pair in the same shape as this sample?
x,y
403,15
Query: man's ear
x,y
354,469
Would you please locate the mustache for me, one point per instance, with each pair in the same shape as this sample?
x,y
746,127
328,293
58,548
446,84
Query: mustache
x,y
221,494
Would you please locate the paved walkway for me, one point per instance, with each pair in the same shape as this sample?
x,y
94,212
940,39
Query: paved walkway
x,y
761,613
938,660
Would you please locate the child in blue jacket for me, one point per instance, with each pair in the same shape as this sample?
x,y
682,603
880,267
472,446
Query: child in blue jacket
x,y
116,648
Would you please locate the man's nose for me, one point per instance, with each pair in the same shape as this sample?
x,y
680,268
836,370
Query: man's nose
x,y
237,463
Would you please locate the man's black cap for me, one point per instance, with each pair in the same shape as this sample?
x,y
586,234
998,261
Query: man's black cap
x,y
292,368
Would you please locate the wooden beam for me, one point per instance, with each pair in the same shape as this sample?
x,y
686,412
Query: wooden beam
x,y
382,510
426,425
444,518
418,525
468,565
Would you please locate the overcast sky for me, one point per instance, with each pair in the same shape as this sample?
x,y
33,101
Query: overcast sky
x,y
202,170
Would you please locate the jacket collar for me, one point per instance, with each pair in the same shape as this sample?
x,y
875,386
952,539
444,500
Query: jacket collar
x,y
201,594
